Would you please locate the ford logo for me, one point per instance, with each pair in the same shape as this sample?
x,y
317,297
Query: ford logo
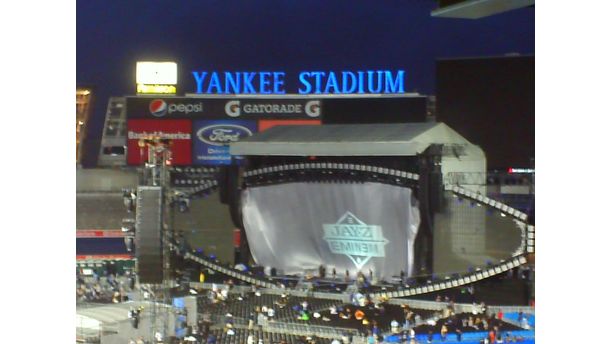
x,y
222,134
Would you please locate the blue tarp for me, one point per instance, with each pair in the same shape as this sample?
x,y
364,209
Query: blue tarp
x,y
514,317
467,337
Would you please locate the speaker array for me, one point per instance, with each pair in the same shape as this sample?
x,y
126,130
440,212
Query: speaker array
x,y
149,262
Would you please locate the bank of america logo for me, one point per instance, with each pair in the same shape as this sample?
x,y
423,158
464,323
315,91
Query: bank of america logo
x,y
355,239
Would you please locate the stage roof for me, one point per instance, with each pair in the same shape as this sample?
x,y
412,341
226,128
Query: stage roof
x,y
405,139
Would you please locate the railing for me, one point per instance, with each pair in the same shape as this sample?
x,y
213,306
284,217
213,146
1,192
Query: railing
x,y
230,272
489,178
420,304
478,275
329,171
278,291
401,178
461,307
512,309
489,202
308,330
280,326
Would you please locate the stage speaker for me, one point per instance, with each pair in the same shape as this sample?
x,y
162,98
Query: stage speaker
x,y
149,262
223,180
436,191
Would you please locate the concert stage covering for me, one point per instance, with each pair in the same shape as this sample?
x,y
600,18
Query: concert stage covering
x,y
299,226
360,211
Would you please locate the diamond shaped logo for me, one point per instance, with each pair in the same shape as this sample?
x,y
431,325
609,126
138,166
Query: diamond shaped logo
x,y
354,238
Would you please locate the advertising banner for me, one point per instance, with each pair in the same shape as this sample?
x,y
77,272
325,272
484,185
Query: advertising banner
x,y
177,131
269,123
212,139
222,108
273,108
296,227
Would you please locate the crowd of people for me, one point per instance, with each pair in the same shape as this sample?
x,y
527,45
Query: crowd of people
x,y
107,289
331,280
362,310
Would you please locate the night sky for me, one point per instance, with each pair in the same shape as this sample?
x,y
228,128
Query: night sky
x,y
287,35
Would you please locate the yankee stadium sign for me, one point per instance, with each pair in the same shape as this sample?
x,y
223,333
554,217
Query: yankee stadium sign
x,y
309,82
355,239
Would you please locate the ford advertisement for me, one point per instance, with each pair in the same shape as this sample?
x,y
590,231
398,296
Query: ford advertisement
x,y
212,139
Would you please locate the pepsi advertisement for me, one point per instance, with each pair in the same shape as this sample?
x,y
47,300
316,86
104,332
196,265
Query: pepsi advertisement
x,y
211,139
227,108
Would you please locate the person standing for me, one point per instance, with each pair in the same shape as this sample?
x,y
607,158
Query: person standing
x,y
443,332
251,320
491,336
371,339
261,319
375,329
394,326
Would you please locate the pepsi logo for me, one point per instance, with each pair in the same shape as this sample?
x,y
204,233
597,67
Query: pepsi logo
x,y
158,107
222,134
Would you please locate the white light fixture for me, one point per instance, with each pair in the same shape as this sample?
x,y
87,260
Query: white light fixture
x,y
156,73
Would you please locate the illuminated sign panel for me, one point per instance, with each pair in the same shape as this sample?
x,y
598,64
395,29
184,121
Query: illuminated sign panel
x,y
156,73
269,123
212,139
156,77
310,82
177,131
285,108
200,108
355,239
520,170
155,89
